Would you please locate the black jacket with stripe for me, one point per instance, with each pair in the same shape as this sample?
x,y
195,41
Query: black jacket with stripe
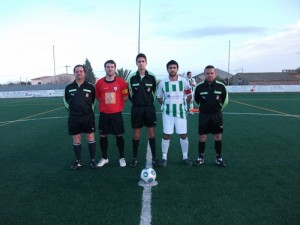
x,y
79,100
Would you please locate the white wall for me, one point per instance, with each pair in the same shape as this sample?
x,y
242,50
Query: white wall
x,y
231,89
31,94
263,88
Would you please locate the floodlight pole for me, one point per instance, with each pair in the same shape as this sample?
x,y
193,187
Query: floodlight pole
x,y
67,68
139,32
228,63
54,61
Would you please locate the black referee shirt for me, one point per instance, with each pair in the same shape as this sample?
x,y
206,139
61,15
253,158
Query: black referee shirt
x,y
210,97
79,100
142,91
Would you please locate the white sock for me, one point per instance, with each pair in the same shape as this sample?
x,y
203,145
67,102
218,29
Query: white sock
x,y
191,105
184,147
165,148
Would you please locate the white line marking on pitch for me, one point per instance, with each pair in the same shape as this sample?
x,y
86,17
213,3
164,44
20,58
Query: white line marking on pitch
x,y
146,217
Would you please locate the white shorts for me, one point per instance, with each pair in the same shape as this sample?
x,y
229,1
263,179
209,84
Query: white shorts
x,y
169,122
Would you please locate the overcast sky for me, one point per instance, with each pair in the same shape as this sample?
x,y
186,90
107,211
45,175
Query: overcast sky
x,y
264,35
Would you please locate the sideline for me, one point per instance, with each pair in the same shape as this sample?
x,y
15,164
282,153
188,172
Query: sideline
x,y
227,113
266,109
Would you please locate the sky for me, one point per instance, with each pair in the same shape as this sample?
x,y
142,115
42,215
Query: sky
x,y
233,35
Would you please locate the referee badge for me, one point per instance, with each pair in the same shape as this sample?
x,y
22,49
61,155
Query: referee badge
x,y
115,88
87,95
217,97
148,89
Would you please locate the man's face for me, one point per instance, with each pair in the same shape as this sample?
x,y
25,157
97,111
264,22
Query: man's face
x,y
110,69
141,63
172,70
79,73
210,74
189,75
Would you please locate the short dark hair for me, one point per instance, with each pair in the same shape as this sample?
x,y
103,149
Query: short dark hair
x,y
188,73
209,67
172,62
110,62
79,65
141,55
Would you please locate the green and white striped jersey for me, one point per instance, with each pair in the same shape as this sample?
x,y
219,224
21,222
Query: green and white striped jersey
x,y
173,94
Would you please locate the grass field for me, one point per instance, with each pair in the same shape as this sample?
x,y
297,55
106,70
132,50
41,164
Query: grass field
x,y
259,186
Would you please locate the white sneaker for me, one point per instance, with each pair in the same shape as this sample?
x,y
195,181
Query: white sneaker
x,y
122,162
102,162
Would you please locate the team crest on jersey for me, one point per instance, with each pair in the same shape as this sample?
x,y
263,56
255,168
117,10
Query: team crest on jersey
x,y
115,88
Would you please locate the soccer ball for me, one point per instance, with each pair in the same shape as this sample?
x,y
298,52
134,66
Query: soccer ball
x,y
148,175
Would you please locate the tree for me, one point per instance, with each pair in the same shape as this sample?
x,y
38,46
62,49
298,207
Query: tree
x,y
123,73
89,74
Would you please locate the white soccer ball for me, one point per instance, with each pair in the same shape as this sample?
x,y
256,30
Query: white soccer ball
x,y
148,175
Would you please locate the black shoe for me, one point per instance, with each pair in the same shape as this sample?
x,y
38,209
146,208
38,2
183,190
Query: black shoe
x,y
199,162
188,162
77,165
93,164
133,163
156,163
220,162
163,163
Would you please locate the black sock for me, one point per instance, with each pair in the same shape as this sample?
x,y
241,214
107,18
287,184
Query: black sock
x,y
92,149
120,144
103,146
218,148
152,147
135,147
77,151
201,149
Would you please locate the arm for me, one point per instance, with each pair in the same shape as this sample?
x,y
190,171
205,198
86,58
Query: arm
x,y
193,82
65,100
197,96
159,93
124,91
187,92
93,97
188,99
130,93
160,100
225,97
154,85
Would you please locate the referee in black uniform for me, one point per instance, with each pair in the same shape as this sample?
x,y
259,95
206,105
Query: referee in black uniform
x,y
212,97
142,88
79,100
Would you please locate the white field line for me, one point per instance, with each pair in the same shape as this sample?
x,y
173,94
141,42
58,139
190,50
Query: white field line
x,y
228,113
146,217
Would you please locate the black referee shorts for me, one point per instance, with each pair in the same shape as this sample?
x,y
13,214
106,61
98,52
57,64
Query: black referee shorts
x,y
210,123
111,123
81,124
143,116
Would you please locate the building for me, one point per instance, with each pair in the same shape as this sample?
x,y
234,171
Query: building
x,y
57,79
275,78
220,74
